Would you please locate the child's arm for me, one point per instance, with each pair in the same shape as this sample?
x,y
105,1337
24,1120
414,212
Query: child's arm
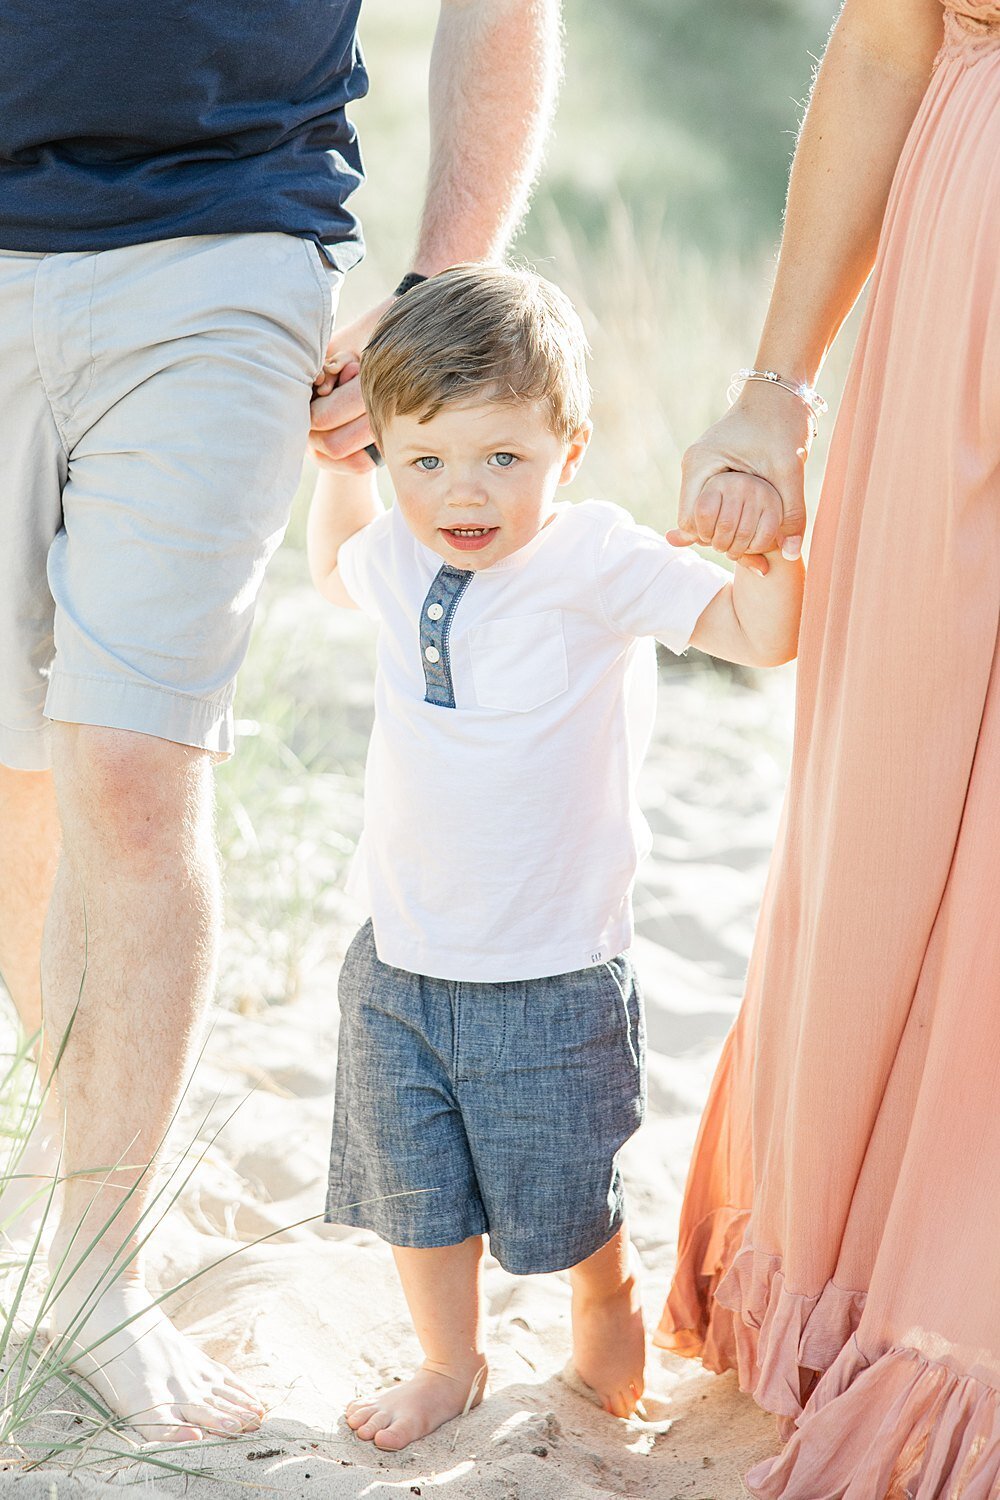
x,y
754,619
342,505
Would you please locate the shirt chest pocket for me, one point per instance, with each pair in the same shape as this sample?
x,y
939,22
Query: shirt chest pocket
x,y
519,664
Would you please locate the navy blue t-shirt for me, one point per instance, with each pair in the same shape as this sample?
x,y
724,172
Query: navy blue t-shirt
x,y
127,120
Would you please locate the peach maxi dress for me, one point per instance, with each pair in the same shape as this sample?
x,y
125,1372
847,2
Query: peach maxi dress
x,y
840,1239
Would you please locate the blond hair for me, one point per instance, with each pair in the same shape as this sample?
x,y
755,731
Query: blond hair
x,y
478,332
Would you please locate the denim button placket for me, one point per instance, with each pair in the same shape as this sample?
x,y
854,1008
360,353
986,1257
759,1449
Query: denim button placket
x,y
435,626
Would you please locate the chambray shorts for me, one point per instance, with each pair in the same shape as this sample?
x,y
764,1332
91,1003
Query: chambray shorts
x,y
466,1109
154,408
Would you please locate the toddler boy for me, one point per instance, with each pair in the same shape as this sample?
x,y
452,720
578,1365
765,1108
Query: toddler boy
x,y
491,1045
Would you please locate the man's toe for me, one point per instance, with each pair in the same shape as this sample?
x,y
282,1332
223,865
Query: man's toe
x,y
247,1419
239,1394
212,1419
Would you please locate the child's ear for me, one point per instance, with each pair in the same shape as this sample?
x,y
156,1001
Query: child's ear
x,y
575,451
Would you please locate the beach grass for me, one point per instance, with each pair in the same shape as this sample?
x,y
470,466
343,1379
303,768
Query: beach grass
x,y
37,1375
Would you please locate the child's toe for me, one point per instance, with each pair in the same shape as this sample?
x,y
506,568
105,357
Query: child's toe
x,y
375,1424
358,1412
619,1403
393,1437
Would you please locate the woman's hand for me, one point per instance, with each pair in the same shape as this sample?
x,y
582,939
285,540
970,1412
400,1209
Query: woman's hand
x,y
765,435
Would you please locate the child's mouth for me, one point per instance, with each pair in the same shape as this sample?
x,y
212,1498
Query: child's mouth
x,y
469,538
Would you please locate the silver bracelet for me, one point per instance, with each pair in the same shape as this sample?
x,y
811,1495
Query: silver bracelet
x,y
810,398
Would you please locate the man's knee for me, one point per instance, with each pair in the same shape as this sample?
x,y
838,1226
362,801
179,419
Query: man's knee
x,y
139,798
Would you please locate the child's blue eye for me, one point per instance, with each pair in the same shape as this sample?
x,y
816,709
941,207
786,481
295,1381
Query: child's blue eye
x,y
428,464
504,460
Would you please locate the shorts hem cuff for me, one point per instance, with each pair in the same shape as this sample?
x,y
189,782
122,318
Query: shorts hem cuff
x,y
202,723
522,1262
407,1238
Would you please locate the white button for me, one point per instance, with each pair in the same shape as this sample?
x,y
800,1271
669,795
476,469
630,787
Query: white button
x,y
432,654
435,611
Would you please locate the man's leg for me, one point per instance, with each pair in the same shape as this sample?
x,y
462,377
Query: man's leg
x,y
29,847
134,919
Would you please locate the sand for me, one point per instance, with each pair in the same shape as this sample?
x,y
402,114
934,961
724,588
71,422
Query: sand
x,y
312,1316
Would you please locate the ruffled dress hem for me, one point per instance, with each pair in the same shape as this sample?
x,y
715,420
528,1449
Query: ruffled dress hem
x,y
729,1305
897,1427
901,1427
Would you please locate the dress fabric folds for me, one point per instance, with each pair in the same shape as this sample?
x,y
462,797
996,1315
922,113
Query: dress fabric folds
x,y
840,1238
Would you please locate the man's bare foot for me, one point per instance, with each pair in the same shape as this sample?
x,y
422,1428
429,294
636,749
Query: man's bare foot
x,y
406,1412
148,1372
609,1339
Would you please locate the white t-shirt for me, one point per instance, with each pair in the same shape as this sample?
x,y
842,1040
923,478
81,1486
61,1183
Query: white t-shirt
x,y
502,834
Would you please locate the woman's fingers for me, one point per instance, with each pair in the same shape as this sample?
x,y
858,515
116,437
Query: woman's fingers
x,y
791,485
699,466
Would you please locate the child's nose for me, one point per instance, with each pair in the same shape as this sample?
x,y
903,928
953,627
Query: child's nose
x,y
466,491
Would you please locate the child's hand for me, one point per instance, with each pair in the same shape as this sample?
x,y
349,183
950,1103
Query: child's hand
x,y
337,370
738,514
341,432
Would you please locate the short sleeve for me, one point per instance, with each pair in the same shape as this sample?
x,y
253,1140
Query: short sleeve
x,y
355,564
648,587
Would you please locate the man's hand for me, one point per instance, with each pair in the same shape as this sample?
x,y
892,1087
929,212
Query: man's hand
x,y
723,504
339,427
494,75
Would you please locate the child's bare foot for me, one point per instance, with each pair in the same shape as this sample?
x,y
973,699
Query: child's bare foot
x,y
609,1337
406,1412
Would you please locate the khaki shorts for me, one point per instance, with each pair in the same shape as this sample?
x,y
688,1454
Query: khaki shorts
x,y
154,406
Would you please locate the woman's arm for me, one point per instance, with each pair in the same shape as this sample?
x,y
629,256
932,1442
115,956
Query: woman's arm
x,y
867,92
